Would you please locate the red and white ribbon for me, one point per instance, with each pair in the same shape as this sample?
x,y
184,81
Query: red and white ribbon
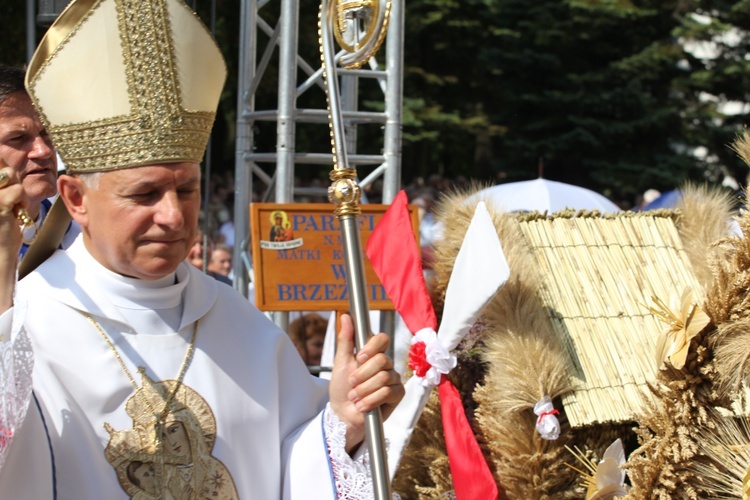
x,y
394,255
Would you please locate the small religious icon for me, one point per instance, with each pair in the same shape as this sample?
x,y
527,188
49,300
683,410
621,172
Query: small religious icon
x,y
168,454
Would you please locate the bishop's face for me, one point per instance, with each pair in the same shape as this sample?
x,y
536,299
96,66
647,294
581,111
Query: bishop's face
x,y
141,221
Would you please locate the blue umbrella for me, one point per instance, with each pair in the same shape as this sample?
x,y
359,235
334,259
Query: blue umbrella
x,y
670,199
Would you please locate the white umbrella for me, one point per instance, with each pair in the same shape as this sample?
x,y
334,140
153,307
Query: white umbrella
x,y
544,195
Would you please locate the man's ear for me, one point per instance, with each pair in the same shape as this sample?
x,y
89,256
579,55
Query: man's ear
x,y
73,193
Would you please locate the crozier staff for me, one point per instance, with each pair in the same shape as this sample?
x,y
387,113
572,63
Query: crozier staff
x,y
150,380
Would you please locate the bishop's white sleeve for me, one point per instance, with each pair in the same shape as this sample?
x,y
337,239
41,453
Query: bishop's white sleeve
x,y
307,474
25,466
340,476
315,463
16,363
352,475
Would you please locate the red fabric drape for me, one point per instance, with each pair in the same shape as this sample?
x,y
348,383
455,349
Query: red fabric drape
x,y
472,478
394,255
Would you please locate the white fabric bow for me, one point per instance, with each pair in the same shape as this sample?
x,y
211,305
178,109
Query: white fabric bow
x,y
547,424
441,360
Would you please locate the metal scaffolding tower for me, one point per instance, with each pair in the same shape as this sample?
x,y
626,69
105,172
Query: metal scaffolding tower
x,y
268,25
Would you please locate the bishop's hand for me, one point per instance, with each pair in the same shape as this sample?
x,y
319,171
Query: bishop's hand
x,y
361,384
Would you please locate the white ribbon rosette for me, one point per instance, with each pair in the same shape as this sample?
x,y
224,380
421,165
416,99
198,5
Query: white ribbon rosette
x,y
431,356
547,424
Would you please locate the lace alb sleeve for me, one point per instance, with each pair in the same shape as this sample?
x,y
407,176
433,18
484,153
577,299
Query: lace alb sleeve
x,y
351,474
16,363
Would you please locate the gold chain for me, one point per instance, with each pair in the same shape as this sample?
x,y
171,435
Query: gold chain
x,y
180,375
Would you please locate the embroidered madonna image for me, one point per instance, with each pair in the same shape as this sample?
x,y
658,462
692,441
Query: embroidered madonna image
x,y
167,453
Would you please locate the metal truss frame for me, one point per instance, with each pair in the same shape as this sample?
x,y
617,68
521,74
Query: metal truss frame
x,y
276,169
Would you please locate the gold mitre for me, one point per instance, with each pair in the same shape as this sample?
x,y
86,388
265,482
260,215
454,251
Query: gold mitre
x,y
124,83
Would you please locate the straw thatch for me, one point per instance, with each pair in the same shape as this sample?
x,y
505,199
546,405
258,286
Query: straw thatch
x,y
573,322
600,274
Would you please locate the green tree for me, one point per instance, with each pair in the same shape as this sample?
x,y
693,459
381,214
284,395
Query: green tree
x,y
604,91
448,88
715,90
615,95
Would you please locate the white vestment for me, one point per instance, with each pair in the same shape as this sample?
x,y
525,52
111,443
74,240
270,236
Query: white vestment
x,y
269,411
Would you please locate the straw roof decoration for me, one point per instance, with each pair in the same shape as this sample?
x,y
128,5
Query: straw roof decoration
x,y
573,322
515,337
599,274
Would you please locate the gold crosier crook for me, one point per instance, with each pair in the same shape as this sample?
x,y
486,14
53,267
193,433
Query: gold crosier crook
x,y
359,26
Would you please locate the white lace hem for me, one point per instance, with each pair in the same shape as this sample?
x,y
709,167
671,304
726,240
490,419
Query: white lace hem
x,y
352,475
16,363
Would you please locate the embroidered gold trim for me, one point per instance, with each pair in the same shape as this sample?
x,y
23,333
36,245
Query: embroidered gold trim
x,y
158,129
180,375
172,460
167,453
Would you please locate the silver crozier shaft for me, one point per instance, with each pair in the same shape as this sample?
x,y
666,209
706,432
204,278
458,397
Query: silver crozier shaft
x,y
345,194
